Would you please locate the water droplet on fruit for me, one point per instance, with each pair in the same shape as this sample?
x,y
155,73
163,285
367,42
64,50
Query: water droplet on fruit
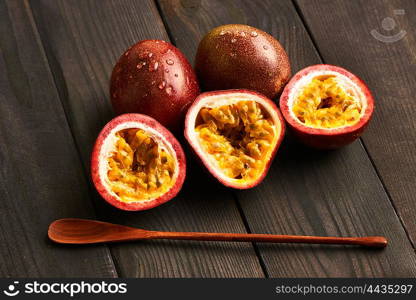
x,y
131,76
162,85
139,65
153,82
169,62
232,54
242,33
176,75
150,54
127,53
265,47
154,66
222,32
167,70
254,34
233,40
169,90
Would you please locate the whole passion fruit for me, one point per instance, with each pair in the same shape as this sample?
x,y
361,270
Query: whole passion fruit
x,y
238,56
154,78
326,106
136,163
236,134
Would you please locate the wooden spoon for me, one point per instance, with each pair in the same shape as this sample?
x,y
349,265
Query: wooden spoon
x,y
79,231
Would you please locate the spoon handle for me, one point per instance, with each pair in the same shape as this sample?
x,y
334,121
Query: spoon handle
x,y
79,231
370,241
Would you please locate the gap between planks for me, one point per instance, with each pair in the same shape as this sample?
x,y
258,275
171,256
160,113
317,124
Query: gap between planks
x,y
87,180
114,261
362,143
235,197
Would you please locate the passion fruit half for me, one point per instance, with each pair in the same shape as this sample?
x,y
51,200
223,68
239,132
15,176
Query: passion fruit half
x,y
326,106
136,163
236,134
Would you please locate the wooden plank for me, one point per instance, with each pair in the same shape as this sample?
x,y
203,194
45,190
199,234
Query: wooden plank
x,y
83,40
306,191
41,173
390,71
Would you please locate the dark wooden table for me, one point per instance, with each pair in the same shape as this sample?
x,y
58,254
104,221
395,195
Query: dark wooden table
x,y
56,59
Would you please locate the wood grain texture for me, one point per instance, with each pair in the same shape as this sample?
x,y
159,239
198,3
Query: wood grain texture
x,y
389,69
41,173
306,191
83,40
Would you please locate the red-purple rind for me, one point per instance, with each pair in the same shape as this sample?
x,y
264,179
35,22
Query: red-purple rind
x,y
163,88
169,138
230,57
326,138
268,102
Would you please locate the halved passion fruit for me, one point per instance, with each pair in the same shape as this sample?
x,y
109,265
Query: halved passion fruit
x,y
137,163
326,106
236,134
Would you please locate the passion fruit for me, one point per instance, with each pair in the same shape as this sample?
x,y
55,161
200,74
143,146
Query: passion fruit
x,y
136,163
236,134
238,56
154,78
326,106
